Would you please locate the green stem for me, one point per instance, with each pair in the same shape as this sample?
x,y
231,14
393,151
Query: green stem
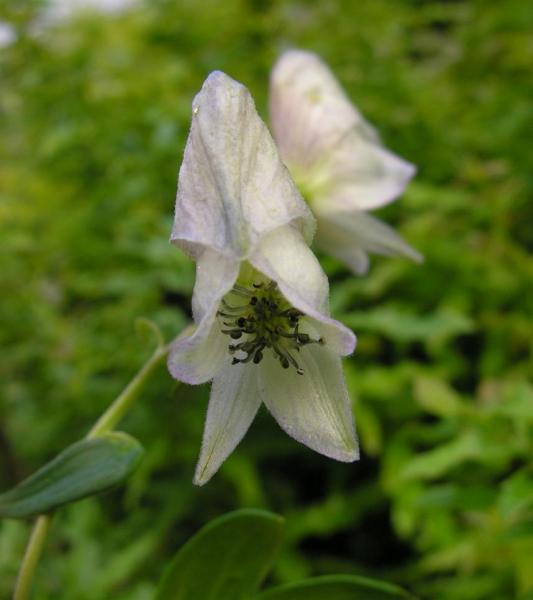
x,y
125,400
34,549
105,423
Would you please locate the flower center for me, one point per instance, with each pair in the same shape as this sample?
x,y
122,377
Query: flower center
x,y
262,318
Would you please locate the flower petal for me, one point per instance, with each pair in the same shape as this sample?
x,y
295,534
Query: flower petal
x,y
197,357
309,110
350,235
232,185
215,276
328,146
364,175
339,243
313,408
233,404
284,257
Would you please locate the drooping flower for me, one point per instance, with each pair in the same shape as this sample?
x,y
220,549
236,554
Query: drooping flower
x,y
337,160
260,304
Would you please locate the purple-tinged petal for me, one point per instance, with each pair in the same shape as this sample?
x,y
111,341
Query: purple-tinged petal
x,y
233,404
349,235
233,187
313,408
284,257
198,357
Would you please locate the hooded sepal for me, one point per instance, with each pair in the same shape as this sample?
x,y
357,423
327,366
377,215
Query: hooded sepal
x,y
232,187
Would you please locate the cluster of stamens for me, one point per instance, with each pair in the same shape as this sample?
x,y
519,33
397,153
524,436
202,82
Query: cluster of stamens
x,y
264,320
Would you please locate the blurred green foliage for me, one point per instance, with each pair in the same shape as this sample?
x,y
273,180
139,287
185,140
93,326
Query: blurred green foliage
x,y
94,113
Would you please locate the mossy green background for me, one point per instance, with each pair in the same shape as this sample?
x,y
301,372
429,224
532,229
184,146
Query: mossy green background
x,y
94,114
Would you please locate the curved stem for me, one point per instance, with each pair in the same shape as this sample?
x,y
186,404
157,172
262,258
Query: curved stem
x,y
32,555
124,401
105,423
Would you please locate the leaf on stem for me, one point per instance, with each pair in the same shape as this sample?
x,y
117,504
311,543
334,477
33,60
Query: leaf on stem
x,y
86,468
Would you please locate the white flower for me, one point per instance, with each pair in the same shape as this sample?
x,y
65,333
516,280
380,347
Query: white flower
x,y
8,35
337,160
260,302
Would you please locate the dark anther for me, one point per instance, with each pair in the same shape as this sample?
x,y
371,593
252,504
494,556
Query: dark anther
x,y
234,334
241,321
253,300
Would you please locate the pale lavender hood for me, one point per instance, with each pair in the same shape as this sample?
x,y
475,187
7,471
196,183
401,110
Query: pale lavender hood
x,y
232,187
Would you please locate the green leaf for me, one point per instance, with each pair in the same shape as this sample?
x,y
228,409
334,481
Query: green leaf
x,y
86,468
437,397
516,494
404,326
438,461
336,587
228,558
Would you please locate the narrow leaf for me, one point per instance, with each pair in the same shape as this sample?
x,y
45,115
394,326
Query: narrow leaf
x,y
83,469
336,587
437,397
228,558
403,326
